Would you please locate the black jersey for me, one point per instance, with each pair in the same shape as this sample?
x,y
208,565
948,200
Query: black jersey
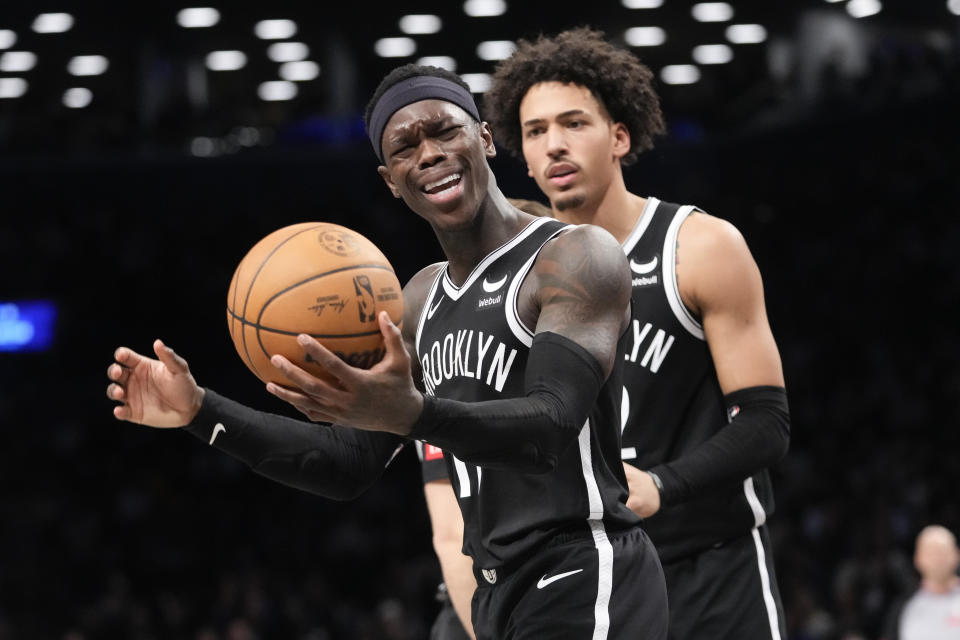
x,y
672,400
473,347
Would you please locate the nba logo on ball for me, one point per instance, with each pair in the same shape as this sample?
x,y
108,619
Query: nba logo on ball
x,y
306,278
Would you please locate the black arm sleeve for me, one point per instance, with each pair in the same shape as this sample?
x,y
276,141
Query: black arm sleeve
x,y
757,437
527,433
329,460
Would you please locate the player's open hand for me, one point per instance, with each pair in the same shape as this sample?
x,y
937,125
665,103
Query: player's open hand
x,y
382,398
156,393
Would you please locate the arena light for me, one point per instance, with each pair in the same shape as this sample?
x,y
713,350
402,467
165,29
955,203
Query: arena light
x,y
17,61
288,51
642,4
277,90
680,74
395,47
645,36
712,12
87,65
299,71
478,82
198,17
77,97
7,38
712,54
420,24
12,87
495,49
747,33
226,60
484,8
444,62
27,325
953,6
275,29
863,8
53,23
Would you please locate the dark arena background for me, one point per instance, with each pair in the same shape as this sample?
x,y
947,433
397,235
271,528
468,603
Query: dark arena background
x,y
144,149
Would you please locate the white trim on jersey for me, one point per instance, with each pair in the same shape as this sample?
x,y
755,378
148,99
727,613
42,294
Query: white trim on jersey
x,y
455,292
601,607
520,331
750,492
426,307
670,287
768,600
462,475
649,209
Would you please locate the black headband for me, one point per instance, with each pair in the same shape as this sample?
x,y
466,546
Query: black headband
x,y
413,90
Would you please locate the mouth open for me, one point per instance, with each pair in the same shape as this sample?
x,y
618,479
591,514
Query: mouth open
x,y
444,189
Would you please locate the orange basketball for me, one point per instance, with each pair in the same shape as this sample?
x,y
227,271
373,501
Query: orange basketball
x,y
316,278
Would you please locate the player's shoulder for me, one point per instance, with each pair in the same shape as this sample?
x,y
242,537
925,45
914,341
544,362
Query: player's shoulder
x,y
710,236
418,287
583,238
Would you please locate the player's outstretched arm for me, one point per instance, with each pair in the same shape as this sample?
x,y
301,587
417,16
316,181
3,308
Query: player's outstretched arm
x,y
719,280
332,461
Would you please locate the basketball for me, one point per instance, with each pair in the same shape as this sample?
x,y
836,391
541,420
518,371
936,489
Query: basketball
x,y
316,278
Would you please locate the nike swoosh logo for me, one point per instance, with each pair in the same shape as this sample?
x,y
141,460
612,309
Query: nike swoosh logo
x,y
490,287
646,267
432,310
217,430
544,581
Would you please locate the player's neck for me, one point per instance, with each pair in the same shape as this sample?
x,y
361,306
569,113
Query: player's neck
x,y
617,211
496,222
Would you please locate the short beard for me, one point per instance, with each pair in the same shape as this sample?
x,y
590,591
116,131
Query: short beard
x,y
572,201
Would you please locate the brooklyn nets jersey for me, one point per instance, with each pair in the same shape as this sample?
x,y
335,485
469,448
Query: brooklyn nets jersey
x,y
472,346
672,400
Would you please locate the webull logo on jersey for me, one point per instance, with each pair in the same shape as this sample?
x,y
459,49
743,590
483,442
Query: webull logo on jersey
x,y
640,278
657,347
469,354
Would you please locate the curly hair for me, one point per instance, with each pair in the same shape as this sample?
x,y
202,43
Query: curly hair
x,y
617,79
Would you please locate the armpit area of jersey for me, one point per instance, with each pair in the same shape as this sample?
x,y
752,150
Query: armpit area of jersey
x,y
333,461
757,437
561,384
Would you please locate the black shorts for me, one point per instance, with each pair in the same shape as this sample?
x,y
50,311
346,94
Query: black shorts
x,y
727,592
604,588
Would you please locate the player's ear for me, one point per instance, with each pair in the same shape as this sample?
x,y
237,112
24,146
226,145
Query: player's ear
x,y
621,140
487,135
385,174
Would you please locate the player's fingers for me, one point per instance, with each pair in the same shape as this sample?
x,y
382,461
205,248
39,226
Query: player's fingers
x,y
122,412
169,357
115,392
392,337
127,357
306,405
305,382
318,353
118,373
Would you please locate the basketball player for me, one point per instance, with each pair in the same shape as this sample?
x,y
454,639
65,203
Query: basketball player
x,y
515,342
704,403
